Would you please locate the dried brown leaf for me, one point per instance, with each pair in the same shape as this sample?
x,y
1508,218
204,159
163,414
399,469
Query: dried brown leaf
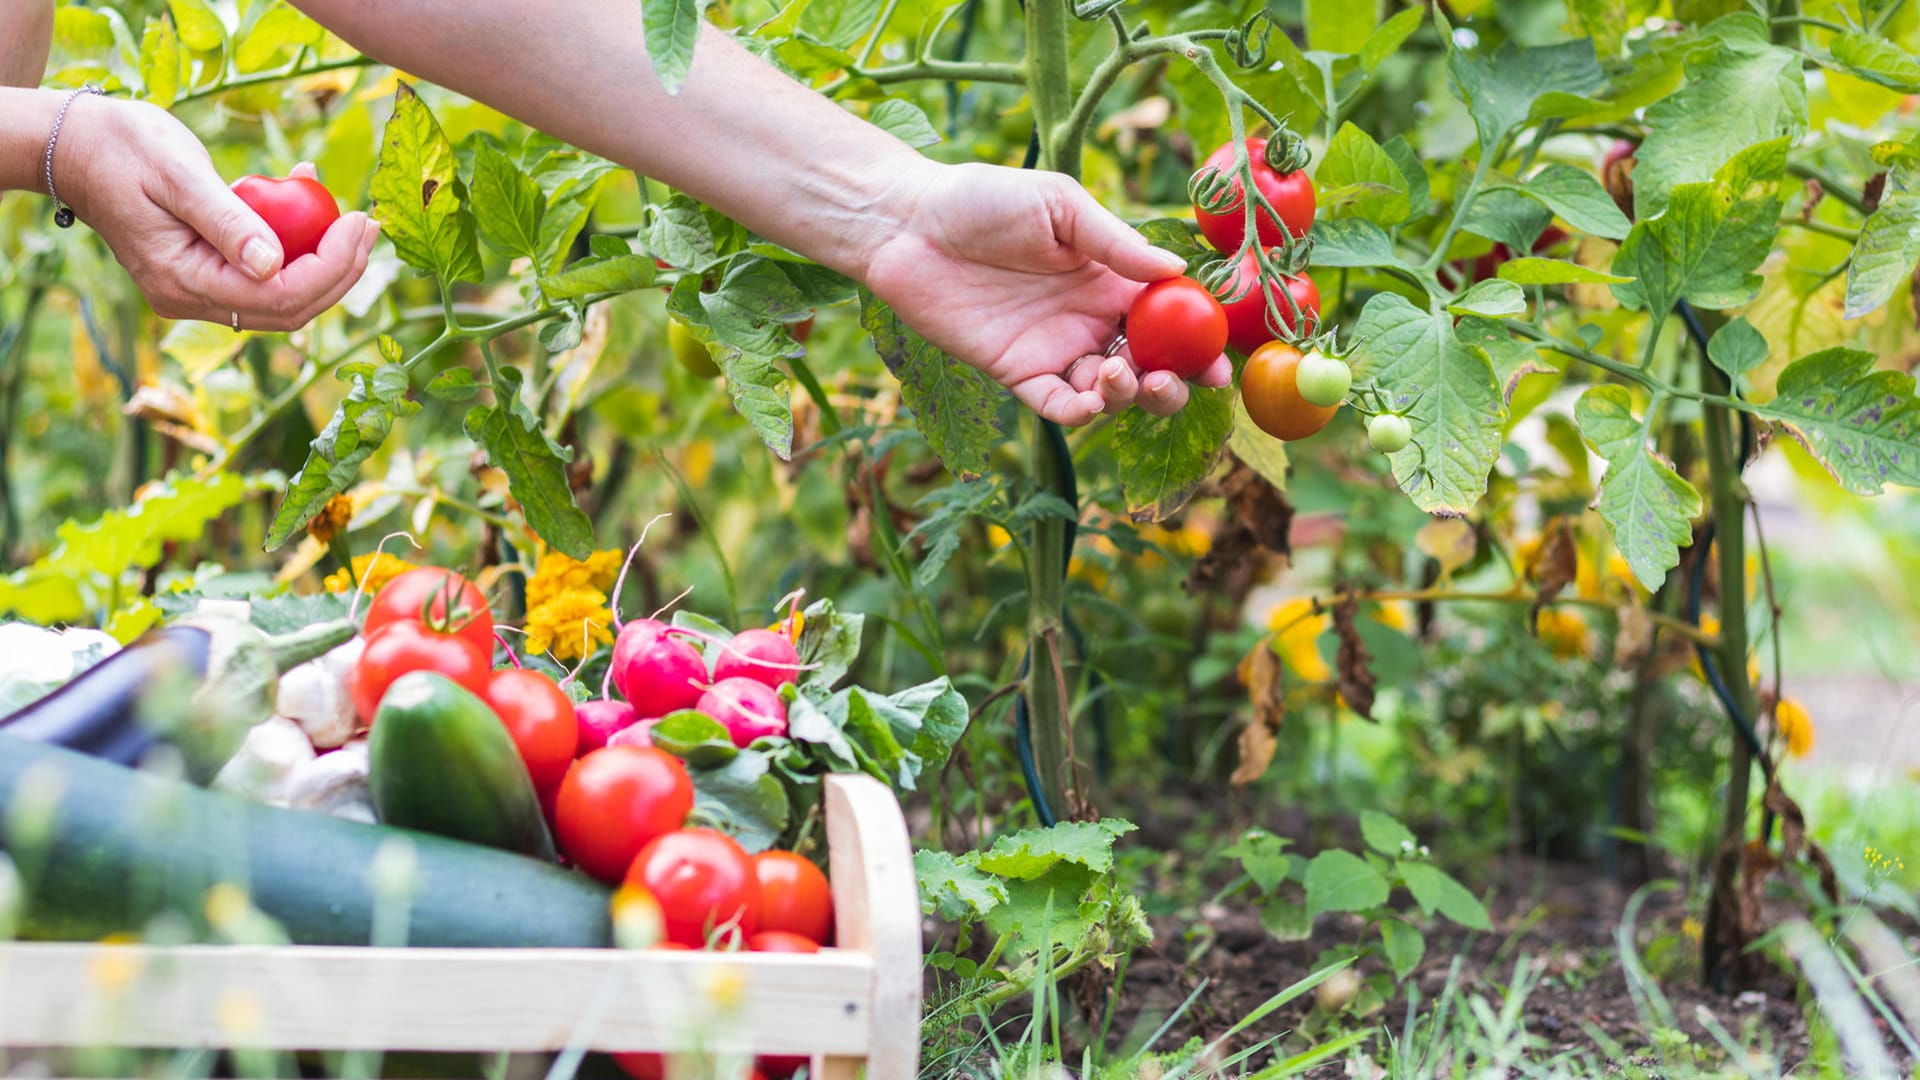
x,y
1353,666
1260,671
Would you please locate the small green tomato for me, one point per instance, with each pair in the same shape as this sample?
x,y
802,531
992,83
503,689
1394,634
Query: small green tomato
x,y
1389,433
1323,380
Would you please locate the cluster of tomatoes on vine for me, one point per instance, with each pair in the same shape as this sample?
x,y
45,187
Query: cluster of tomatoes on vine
x,y
1257,299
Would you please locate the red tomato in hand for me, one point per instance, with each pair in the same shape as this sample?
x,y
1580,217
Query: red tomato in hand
x,y
408,646
539,716
704,882
1247,327
1176,325
794,895
1291,194
298,209
437,599
617,800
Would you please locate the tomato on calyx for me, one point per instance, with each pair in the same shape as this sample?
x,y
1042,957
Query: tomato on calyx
x,y
439,600
1248,327
1290,194
401,647
1272,397
704,882
1323,380
298,209
1176,325
1389,433
617,800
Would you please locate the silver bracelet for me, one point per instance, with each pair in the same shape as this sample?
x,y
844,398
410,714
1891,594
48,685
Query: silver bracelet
x,y
62,213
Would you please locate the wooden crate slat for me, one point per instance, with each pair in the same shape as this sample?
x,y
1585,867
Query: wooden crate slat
x,y
309,997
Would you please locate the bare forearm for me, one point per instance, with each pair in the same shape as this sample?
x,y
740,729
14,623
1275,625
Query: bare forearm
x,y
763,149
26,116
26,34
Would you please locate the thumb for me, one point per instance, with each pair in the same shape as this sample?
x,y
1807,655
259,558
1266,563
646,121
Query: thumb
x,y
211,209
1081,223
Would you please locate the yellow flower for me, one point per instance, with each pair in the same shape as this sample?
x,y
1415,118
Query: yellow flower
x,y
1795,726
558,573
1710,624
572,623
1296,638
998,537
376,570
1093,573
1393,617
1189,541
792,627
637,919
1564,633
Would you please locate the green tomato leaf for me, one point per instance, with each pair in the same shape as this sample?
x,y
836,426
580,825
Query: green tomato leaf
x,y
1446,389
1342,881
272,38
455,384
1737,348
416,198
953,887
1876,60
586,277
1389,36
161,62
1649,507
1262,452
1163,459
1339,27
377,396
1577,197
1537,271
200,29
1862,424
743,798
535,465
1353,242
1500,88
838,24
1490,297
1404,946
905,121
956,406
1742,90
1419,187
678,232
1889,245
1509,217
507,203
1436,890
1513,358
1356,176
1385,834
671,28
1705,247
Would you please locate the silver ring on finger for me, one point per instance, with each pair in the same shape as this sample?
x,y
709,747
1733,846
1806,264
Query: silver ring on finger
x,y
1067,375
1114,345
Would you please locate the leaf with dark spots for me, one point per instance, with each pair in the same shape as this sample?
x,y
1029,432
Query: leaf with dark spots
x,y
1554,566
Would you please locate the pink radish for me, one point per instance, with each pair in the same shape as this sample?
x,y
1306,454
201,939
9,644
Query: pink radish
x,y
664,675
635,638
640,734
747,708
600,721
761,655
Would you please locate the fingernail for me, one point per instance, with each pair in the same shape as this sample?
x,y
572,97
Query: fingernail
x,y
259,258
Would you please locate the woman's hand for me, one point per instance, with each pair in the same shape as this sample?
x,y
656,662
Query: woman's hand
x,y
141,180
1024,276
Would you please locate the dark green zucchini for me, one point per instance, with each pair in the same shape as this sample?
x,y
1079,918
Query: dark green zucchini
x,y
103,849
442,762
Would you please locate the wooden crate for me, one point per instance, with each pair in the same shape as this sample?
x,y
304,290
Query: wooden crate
x,y
851,1008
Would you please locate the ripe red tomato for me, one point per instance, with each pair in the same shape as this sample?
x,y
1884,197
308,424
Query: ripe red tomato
x,y
422,595
794,895
617,800
539,715
802,330
704,881
298,209
408,646
1247,327
1291,194
782,941
1176,325
652,1066
1272,396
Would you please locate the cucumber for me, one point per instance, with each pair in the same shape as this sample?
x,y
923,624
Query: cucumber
x,y
442,762
102,849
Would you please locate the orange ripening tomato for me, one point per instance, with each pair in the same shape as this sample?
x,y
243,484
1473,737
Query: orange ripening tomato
x,y
1271,393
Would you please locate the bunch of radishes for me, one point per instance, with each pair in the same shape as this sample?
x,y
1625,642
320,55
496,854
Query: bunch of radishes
x,y
660,670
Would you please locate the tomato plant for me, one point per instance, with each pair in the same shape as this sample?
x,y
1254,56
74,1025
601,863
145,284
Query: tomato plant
x,y
1249,323
1289,194
297,208
1176,325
